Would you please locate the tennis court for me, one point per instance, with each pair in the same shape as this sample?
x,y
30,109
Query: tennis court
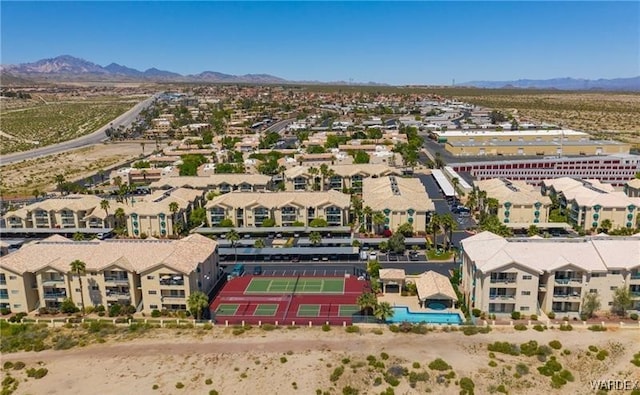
x,y
288,300
278,285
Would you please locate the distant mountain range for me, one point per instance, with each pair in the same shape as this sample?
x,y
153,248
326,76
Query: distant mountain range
x,y
616,84
69,68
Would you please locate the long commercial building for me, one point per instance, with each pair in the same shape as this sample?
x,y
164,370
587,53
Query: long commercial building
x,y
535,275
526,142
612,169
149,274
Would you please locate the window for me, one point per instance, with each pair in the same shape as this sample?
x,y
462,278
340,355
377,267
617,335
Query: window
x,y
14,291
526,293
17,306
615,272
610,303
527,277
152,292
593,291
95,288
259,215
12,277
149,277
94,273
77,289
153,306
598,274
524,308
613,288
217,215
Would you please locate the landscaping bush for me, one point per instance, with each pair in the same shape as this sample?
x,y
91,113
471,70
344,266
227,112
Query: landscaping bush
x,y
115,310
336,374
37,373
602,355
539,327
504,347
268,327
520,327
555,344
394,328
597,328
18,365
439,364
529,349
633,316
155,313
476,312
467,386
566,327
534,317
68,307
5,311
352,329
326,327
18,317
551,315
515,315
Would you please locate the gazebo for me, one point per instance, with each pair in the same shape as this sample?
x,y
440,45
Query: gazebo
x,y
393,277
435,291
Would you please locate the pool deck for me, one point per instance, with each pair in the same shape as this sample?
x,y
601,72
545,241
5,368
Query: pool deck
x,y
411,302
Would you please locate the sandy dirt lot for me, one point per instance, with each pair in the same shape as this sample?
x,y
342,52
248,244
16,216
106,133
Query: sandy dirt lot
x,y
20,179
301,361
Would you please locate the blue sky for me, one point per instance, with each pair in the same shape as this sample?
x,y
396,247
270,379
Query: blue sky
x,y
391,42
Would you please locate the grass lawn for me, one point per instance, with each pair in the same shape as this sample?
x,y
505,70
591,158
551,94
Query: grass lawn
x,y
444,256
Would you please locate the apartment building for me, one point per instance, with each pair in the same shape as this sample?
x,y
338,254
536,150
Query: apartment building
x,y
339,177
401,200
632,188
151,215
285,208
220,183
526,142
613,169
588,203
519,202
148,274
533,275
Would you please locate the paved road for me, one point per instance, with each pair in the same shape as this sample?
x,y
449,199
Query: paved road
x,y
99,135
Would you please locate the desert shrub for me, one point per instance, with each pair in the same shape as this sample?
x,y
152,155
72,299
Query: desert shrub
x,y
602,355
555,344
64,342
522,369
213,392
208,381
388,391
504,347
155,387
283,359
268,327
416,365
415,377
37,373
597,328
566,327
633,316
593,348
352,329
515,315
384,356
155,313
348,390
520,327
439,364
18,365
636,359
238,331
551,315
326,327
550,367
179,385
377,381
391,380
538,327
529,349
394,328
7,365
493,363
336,374
377,331
467,385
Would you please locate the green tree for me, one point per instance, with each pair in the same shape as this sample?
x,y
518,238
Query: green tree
x,y
449,224
383,246
36,193
367,302
120,219
60,180
606,225
315,238
233,237
104,204
79,269
268,223
382,311
198,217
196,302
174,207
360,157
78,236
226,223
396,243
622,301
259,243
379,220
318,223
590,304
367,212
406,229
533,231
373,268
434,227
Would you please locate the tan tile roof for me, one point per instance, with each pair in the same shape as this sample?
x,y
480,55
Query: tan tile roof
x,y
377,194
280,199
392,274
635,183
57,253
432,285
346,170
210,181
524,194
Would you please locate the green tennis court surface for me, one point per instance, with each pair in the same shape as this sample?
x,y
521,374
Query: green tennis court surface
x,y
287,285
227,309
266,310
308,310
347,310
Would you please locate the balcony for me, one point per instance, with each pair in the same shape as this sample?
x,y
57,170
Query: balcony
x,y
118,295
168,280
172,297
568,280
511,297
117,280
55,296
48,282
635,276
507,280
4,296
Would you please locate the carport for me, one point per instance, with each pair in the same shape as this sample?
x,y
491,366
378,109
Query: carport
x,y
392,277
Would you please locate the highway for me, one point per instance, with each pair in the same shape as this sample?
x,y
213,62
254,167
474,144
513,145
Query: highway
x,y
93,138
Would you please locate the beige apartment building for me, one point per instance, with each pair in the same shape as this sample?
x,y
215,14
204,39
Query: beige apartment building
x,y
285,208
537,275
519,202
150,215
219,183
148,274
632,188
401,200
340,177
526,143
588,203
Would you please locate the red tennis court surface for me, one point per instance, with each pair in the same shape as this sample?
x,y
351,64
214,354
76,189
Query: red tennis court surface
x,y
234,304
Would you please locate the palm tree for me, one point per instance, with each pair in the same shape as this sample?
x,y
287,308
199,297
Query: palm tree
x,y
379,219
259,243
36,193
382,311
79,269
367,302
533,231
324,169
120,217
449,225
173,207
315,238
606,225
456,185
314,173
434,226
492,206
196,302
233,237
368,212
117,181
104,204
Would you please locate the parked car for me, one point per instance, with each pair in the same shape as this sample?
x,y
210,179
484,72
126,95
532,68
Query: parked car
x,y
257,271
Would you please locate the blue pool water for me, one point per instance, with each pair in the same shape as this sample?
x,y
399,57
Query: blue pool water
x,y
402,314
436,306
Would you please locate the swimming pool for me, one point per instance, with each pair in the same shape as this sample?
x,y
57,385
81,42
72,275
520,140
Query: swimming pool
x,y
402,314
